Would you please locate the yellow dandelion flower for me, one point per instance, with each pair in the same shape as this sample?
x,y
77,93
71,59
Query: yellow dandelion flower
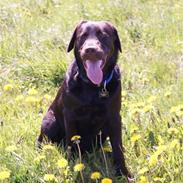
x,y
133,129
177,110
180,106
28,13
66,172
19,98
179,114
177,170
75,138
39,158
175,143
160,140
11,148
173,131
158,179
8,87
32,91
160,149
47,97
50,177
151,99
62,163
125,103
135,137
67,180
106,180
167,94
147,108
4,175
31,99
143,179
145,80
140,104
143,170
135,111
95,175
107,149
174,109
48,147
153,160
124,93
79,167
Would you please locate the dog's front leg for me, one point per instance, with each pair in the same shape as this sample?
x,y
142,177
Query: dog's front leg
x,y
70,129
116,142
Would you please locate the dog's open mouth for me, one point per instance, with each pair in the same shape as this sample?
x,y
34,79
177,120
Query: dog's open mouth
x,y
94,70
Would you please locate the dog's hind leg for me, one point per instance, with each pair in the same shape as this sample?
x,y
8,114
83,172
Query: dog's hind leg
x,y
50,129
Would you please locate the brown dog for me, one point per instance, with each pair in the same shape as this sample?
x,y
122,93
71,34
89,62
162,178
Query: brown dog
x,y
89,100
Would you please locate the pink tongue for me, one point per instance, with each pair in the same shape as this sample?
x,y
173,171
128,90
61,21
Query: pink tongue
x,y
94,71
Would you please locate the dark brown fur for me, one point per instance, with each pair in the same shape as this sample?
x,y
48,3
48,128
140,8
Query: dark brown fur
x,y
78,109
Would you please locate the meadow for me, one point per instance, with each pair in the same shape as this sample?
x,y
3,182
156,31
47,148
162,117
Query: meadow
x,y
34,35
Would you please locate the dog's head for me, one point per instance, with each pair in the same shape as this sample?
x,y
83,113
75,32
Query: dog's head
x,y
96,46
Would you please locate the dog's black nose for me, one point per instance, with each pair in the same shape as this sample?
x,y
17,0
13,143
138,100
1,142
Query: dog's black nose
x,y
90,50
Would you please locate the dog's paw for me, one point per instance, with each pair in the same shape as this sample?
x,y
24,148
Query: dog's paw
x,y
125,173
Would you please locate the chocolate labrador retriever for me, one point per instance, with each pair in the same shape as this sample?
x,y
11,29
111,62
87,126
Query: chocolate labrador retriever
x,y
89,100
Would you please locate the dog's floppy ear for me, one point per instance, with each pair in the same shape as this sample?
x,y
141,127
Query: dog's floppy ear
x,y
72,41
73,38
117,40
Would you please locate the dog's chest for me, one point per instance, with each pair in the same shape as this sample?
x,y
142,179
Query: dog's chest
x,y
91,113
90,118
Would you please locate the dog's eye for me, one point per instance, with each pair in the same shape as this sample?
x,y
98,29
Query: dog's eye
x,y
84,35
103,35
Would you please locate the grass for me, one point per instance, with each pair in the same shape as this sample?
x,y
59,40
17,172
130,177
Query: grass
x,y
33,61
